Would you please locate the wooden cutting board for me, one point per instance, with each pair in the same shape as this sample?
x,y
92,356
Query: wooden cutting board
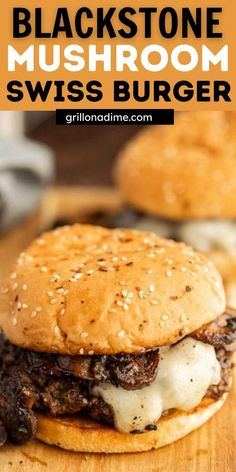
x,y
212,448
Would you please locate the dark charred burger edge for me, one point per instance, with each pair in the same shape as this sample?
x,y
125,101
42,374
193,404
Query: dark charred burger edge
x,y
61,385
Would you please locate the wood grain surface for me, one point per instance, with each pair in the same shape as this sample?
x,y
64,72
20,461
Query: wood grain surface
x,y
212,448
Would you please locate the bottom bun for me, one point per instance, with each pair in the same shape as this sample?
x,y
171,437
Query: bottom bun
x,y
85,435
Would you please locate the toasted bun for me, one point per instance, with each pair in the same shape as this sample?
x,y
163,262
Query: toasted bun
x,y
84,435
85,290
185,171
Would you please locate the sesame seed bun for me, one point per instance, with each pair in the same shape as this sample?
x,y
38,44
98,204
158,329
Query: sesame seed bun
x,y
84,435
182,172
91,290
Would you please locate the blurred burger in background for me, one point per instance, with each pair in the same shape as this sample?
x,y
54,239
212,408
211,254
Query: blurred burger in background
x,y
180,182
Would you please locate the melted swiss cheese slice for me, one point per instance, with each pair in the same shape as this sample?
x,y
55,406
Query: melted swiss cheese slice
x,y
184,373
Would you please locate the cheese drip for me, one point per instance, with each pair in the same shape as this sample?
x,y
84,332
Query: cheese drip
x,y
185,372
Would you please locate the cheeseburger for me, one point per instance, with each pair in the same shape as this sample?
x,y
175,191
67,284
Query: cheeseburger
x,y
180,182
114,341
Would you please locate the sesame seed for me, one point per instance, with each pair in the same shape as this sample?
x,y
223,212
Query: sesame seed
x,y
62,312
183,318
164,317
4,290
84,335
101,263
24,287
60,290
81,265
169,273
160,250
14,286
130,295
50,293
185,330
72,279
169,261
206,269
56,330
90,272
66,292
125,306
114,259
14,321
119,303
154,302
121,334
33,314
146,241
81,351
149,271
151,288
183,269
19,305
53,301
55,278
141,293
124,293
90,353
44,269
24,305
122,282
124,258
38,309
78,275
161,324
13,275
127,300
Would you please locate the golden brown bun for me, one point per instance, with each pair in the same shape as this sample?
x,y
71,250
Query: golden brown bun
x,y
185,171
85,435
134,290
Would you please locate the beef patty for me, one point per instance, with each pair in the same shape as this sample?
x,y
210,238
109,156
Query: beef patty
x,y
60,385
